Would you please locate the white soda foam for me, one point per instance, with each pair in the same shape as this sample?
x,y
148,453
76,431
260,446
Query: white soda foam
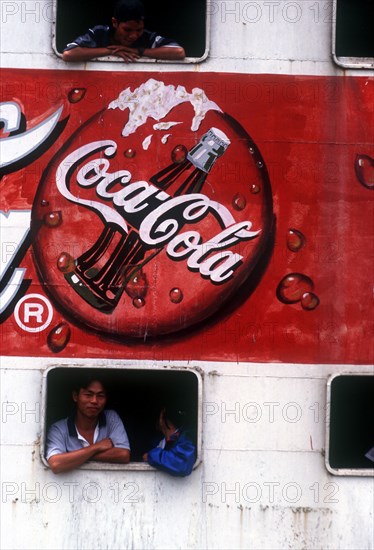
x,y
155,100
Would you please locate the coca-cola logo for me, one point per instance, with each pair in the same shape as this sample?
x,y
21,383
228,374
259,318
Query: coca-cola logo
x,y
162,225
145,231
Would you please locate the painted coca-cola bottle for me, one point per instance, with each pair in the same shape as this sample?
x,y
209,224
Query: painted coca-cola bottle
x,y
101,273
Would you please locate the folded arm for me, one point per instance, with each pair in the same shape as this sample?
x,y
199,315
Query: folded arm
x,y
127,54
171,53
85,54
63,462
102,451
115,455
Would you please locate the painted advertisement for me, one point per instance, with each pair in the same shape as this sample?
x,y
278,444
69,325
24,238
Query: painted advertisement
x,y
186,216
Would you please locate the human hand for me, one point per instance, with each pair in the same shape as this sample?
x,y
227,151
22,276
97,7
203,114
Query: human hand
x,y
126,53
104,445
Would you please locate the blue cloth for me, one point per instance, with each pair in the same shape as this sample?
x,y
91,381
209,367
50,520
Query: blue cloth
x,y
177,457
63,437
101,37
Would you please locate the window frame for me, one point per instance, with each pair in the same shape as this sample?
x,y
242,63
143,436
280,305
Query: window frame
x,y
362,472
131,466
349,62
113,59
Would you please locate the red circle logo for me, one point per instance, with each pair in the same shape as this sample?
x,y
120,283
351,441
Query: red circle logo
x,y
153,215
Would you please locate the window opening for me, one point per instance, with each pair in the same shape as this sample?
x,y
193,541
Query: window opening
x,y
353,44
185,22
350,425
136,395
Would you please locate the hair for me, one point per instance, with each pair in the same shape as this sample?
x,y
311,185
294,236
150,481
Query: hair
x,y
128,10
175,414
84,380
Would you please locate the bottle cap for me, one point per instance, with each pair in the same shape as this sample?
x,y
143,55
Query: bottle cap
x,y
210,147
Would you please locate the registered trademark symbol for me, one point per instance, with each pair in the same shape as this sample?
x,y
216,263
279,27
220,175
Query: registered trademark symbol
x,y
33,313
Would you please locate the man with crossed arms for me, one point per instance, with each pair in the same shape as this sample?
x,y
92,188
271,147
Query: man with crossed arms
x,y
90,433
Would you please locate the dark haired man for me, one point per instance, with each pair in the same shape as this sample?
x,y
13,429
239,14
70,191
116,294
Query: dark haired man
x,y
91,433
126,38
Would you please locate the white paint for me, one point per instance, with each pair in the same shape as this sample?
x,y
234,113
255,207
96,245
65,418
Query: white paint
x,y
14,228
268,37
33,310
260,485
147,142
63,181
165,125
10,115
154,99
165,138
15,148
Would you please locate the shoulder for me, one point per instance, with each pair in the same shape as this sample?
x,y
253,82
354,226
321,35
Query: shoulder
x,y
110,413
148,35
100,32
94,37
100,28
185,439
59,426
112,416
151,39
116,430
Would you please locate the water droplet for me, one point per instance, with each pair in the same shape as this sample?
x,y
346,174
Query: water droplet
x,y
130,153
58,337
259,164
251,150
44,202
255,189
65,262
239,202
295,240
138,302
76,95
53,219
179,154
147,142
165,138
292,288
309,301
364,168
176,295
137,285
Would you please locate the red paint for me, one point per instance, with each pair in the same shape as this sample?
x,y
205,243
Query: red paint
x,y
309,132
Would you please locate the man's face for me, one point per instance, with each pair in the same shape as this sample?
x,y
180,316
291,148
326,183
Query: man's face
x,y
127,32
91,401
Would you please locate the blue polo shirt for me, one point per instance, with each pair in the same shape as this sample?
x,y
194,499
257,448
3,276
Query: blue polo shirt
x,y
63,436
101,37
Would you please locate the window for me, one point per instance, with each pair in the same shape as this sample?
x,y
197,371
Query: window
x,y
135,394
353,44
350,424
186,22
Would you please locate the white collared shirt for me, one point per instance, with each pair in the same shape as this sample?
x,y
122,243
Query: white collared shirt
x,y
85,443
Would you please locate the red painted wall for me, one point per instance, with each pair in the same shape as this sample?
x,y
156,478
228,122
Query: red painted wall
x,y
313,139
